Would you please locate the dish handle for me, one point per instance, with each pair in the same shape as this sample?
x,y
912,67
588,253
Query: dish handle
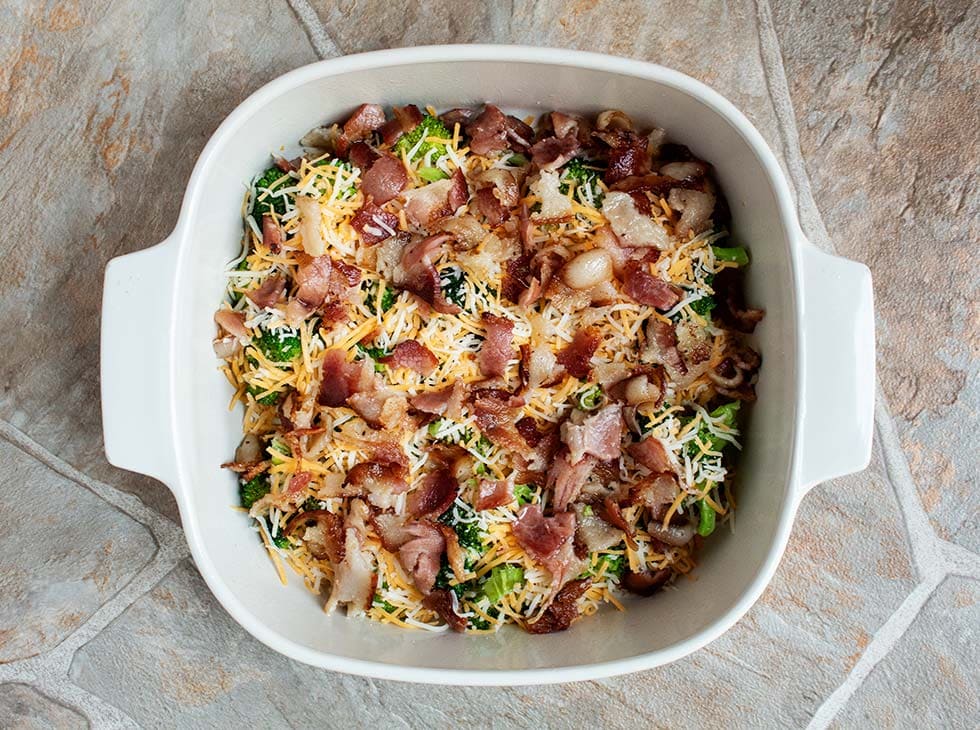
x,y
839,367
137,300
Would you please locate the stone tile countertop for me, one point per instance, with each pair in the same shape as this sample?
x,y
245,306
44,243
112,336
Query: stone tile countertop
x,y
871,106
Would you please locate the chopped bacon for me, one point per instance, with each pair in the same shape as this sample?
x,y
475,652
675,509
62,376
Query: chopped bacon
x,y
374,224
696,208
341,379
566,478
436,200
489,205
663,344
331,314
576,356
385,179
592,532
651,453
446,604
627,154
422,554
598,435
447,401
654,491
645,288
362,156
498,345
268,293
732,309
231,322
611,513
376,479
572,124
382,408
434,494
413,355
457,115
416,272
495,416
517,277
298,482
272,235
493,131
562,611
494,493
406,119
543,537
365,119
354,577
527,427
551,153
646,583
454,552
659,185
634,228
321,531
287,165
247,470
314,280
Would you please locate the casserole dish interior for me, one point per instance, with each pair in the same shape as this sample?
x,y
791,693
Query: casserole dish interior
x,y
230,554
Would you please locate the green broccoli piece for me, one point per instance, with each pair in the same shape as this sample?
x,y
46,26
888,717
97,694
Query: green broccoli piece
x,y
585,176
278,446
282,542
311,503
736,254
385,605
267,400
470,536
370,289
452,279
501,581
432,174
727,413
264,202
280,345
706,521
704,305
615,565
524,494
590,398
253,490
375,353
428,127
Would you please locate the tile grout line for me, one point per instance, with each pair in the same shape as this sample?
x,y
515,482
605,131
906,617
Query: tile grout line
x,y
884,640
320,39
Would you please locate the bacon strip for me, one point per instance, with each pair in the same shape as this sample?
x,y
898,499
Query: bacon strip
x,y
413,355
434,495
576,356
416,272
268,293
498,345
374,224
651,453
341,379
321,531
385,179
365,119
562,611
493,493
446,604
446,401
272,235
598,435
566,478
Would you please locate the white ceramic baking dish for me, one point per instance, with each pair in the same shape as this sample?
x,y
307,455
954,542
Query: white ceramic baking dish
x,y
165,403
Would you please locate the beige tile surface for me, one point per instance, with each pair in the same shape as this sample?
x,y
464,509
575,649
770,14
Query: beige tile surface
x,y
870,106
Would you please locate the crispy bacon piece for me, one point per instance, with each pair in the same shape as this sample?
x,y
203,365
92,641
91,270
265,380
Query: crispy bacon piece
x,y
434,494
493,131
447,401
592,532
659,185
385,179
413,355
321,531
495,415
494,493
365,119
598,435
527,427
362,156
498,345
416,272
376,478
551,153
268,293
354,577
422,554
566,478
298,482
489,205
663,339
426,205
231,322
655,491
517,277
562,611
645,288
272,235
627,154
576,356
247,470
341,379
405,120
374,224
609,511
646,583
314,280
457,115
454,552
543,537
732,310
651,453
446,604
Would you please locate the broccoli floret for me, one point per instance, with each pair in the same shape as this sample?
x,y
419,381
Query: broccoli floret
x,y
615,565
370,289
524,494
590,398
735,254
452,279
727,413
267,400
311,503
428,127
432,174
706,521
585,176
704,305
253,490
280,345
470,537
278,446
383,604
282,542
268,202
